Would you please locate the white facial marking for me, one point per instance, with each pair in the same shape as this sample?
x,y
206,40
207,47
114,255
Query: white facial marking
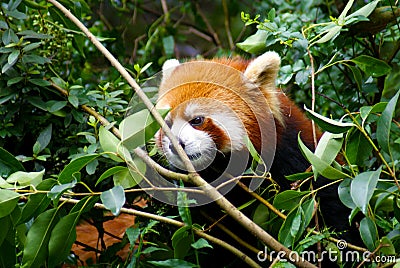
x,y
197,144
233,127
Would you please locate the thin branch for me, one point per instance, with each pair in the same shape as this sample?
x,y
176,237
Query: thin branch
x,y
232,234
227,24
312,96
209,27
262,200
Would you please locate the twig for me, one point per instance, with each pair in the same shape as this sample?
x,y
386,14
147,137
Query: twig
x,y
227,25
262,200
165,10
232,234
209,27
312,95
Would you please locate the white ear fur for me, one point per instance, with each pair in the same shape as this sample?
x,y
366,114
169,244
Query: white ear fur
x,y
263,70
168,67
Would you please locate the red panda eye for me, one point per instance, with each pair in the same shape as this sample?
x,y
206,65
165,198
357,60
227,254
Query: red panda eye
x,y
197,121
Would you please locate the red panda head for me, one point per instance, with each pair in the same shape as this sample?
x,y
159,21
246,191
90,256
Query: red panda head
x,y
215,104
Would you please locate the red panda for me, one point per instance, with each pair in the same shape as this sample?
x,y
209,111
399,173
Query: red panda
x,y
214,104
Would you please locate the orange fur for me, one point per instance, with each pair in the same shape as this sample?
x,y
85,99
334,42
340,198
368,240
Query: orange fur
x,y
208,83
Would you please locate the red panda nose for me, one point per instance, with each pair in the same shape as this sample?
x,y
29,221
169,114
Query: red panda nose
x,y
172,148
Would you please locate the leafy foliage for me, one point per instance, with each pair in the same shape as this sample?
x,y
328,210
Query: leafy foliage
x,y
54,83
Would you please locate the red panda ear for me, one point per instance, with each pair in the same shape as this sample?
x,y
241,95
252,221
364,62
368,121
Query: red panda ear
x,y
263,70
168,67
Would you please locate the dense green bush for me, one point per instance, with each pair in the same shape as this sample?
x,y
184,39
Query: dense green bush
x,y
57,93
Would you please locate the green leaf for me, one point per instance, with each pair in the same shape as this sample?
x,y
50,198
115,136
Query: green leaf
x,y
330,34
289,199
364,11
319,165
388,248
73,100
58,190
362,188
358,148
357,76
342,16
8,36
183,208
45,137
13,81
28,34
201,243
309,241
16,14
37,203
299,176
74,166
7,66
8,163
396,208
31,46
8,201
365,111
344,193
384,123
168,45
13,57
296,223
138,128
369,233
109,172
3,25
173,263
261,215
110,143
372,66
181,241
36,248
128,177
149,250
40,82
26,178
133,234
61,239
113,199
329,146
6,225
255,43
328,124
32,58
85,204
54,106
